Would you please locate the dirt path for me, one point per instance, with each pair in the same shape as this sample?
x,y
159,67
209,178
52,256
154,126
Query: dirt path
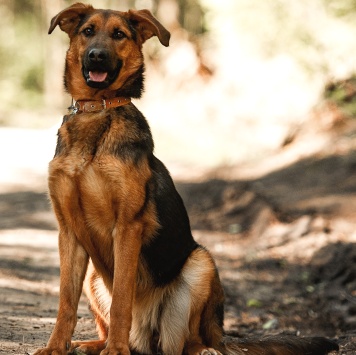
x,y
283,239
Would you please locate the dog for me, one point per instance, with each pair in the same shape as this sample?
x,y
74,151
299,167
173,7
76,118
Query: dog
x,y
124,233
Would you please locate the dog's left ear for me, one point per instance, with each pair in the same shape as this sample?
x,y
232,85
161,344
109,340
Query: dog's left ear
x,y
148,26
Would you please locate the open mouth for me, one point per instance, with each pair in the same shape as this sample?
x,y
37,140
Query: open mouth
x,y
99,78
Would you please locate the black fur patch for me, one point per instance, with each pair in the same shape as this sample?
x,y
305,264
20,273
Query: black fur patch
x,y
60,145
133,87
166,254
141,145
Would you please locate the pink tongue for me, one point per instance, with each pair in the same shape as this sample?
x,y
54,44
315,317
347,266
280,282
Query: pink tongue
x,y
97,76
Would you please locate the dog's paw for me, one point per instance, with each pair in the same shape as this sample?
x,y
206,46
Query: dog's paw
x,y
116,350
88,347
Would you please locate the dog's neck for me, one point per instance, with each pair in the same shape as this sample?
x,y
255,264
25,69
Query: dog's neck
x,y
84,106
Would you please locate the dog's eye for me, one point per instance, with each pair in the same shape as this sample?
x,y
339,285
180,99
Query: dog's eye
x,y
89,31
118,34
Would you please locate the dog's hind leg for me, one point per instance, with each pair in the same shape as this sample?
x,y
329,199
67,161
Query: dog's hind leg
x,y
183,308
206,314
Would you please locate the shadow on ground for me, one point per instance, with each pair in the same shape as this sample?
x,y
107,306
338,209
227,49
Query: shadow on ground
x,y
284,244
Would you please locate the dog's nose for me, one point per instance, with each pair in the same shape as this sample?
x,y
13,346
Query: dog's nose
x,y
97,55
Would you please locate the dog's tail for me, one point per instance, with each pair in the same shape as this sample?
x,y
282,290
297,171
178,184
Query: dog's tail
x,y
278,345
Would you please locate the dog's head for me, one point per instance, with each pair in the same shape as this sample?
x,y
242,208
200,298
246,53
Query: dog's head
x,y
105,58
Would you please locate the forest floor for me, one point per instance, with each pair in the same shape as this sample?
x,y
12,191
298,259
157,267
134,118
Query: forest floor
x,y
282,231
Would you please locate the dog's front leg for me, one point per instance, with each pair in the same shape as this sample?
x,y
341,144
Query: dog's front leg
x,y
127,247
73,266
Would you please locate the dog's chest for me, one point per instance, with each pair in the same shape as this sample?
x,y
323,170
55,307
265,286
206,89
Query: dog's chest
x,y
83,140
97,167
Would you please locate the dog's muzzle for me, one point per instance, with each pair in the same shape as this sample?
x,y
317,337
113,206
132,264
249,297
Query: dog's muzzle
x,y
99,68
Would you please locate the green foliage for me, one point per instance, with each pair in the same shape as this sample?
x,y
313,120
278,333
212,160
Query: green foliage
x,y
343,94
191,16
318,34
342,8
254,303
33,79
21,51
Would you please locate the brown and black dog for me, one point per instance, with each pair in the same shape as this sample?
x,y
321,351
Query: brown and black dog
x,y
123,227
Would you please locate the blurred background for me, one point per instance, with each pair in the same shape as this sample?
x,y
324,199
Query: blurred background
x,y
253,110
238,80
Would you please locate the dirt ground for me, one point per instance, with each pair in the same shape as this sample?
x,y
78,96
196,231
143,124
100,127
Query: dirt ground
x,y
282,231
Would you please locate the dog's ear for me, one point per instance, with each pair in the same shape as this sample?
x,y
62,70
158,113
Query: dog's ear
x,y
148,26
69,18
